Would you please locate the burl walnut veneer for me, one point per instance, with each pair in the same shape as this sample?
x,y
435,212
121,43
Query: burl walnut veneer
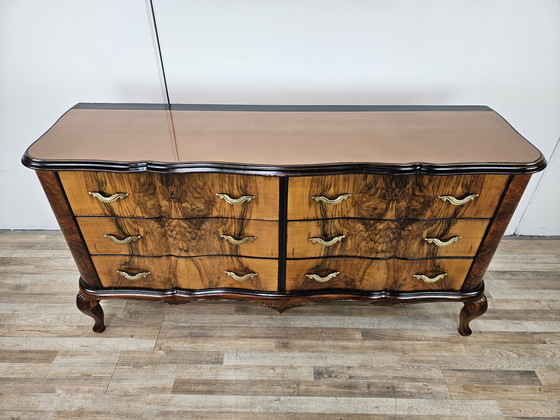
x,y
283,205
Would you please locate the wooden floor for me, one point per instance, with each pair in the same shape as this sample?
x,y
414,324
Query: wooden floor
x,y
224,360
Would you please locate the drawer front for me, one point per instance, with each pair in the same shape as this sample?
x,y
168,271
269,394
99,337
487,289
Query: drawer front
x,y
161,272
172,195
376,275
187,237
353,274
187,273
433,274
242,273
384,239
393,197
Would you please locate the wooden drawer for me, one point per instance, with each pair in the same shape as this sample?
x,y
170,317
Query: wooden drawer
x,y
393,197
376,275
172,195
180,237
187,273
209,273
384,239
162,271
404,271
353,274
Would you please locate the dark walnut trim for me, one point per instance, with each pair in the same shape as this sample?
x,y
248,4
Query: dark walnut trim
x,y
473,308
496,230
92,308
475,303
291,170
303,297
65,218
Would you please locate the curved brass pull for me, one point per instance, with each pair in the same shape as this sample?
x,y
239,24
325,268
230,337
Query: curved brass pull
x,y
133,276
439,242
235,241
320,279
427,279
337,200
239,200
123,241
238,277
110,199
331,242
456,201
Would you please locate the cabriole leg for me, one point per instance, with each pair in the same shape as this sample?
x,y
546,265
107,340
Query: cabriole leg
x,y
91,308
472,309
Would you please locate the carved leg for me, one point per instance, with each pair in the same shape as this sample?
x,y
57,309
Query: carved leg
x,y
91,308
472,309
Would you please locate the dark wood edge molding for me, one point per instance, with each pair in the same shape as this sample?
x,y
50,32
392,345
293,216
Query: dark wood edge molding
x,y
288,170
283,300
496,230
61,208
282,232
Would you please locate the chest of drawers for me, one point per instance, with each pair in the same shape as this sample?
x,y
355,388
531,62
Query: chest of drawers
x,y
282,206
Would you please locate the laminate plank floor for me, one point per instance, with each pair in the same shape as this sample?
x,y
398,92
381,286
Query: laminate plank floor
x,y
233,360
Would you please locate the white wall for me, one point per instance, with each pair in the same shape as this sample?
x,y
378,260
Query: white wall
x,y
54,54
502,53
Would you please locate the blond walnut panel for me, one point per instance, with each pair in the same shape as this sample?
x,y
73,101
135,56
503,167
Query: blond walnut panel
x,y
180,237
171,195
187,273
403,280
354,274
162,271
208,273
392,197
376,275
383,239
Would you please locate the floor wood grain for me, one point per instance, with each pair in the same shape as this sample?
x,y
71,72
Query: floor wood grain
x,y
233,360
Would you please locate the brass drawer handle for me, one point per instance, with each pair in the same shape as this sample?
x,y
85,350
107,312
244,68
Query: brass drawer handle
x,y
320,279
238,277
439,242
133,276
427,279
239,200
123,241
110,199
456,201
337,200
331,242
235,241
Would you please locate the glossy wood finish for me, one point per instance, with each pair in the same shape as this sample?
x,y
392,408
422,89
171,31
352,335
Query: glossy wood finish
x,y
67,222
185,237
392,197
208,273
175,196
376,275
402,277
383,172
187,273
385,239
163,271
354,274
269,140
